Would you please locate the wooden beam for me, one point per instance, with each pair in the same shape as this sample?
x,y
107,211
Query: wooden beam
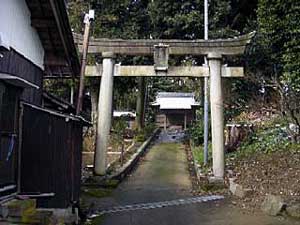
x,y
54,60
42,23
232,46
173,71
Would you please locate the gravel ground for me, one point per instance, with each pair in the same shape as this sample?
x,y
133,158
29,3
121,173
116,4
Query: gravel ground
x,y
275,173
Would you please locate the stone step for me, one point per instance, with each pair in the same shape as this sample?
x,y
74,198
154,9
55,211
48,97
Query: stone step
x,y
39,217
33,218
17,208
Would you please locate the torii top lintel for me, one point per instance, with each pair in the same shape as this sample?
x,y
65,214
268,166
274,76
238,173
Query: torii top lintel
x,y
231,46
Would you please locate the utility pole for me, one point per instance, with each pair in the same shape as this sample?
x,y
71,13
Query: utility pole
x,y
87,21
206,88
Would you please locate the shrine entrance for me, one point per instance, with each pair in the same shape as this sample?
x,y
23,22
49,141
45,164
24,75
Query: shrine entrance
x,y
214,50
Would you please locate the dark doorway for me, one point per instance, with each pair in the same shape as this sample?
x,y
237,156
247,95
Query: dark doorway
x,y
9,98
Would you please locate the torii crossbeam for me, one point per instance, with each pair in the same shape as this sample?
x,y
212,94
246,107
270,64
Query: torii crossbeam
x,y
214,50
173,71
231,46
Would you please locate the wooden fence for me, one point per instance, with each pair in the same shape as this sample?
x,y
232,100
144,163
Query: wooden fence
x,y
51,156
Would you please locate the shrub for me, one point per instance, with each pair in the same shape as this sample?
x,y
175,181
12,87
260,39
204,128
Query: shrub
x,y
196,132
266,140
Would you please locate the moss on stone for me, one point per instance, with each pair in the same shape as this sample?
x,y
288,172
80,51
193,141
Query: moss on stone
x,y
98,220
37,217
111,183
212,187
97,192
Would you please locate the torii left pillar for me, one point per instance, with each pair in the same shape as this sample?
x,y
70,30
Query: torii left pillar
x,y
104,112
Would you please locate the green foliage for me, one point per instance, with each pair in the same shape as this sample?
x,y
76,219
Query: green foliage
x,y
220,25
199,155
111,183
113,19
147,131
266,140
76,10
140,137
118,127
176,19
122,19
97,192
279,30
59,87
125,94
196,132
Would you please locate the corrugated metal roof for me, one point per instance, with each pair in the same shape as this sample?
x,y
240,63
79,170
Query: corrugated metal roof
x,y
175,100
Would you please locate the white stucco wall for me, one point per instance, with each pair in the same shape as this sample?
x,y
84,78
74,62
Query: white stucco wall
x,y
16,31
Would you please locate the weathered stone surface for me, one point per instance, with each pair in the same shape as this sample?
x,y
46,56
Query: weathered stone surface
x,y
272,205
3,211
216,181
217,114
173,71
65,216
17,208
5,223
242,192
238,190
293,210
234,46
39,217
232,185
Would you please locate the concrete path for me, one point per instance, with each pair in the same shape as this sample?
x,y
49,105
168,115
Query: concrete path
x,y
163,176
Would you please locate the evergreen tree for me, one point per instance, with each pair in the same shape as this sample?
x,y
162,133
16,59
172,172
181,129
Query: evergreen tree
x,y
279,30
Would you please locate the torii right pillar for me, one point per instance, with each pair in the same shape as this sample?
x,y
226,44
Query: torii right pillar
x,y
217,117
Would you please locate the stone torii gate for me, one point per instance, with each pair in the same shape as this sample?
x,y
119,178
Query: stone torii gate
x,y
214,50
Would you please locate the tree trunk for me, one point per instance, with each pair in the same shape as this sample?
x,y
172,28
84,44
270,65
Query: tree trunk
x,y
140,108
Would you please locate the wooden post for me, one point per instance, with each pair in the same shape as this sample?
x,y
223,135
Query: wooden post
x,y
165,122
83,63
185,120
104,113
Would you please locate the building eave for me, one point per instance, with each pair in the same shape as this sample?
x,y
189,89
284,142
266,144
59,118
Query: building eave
x,y
50,19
